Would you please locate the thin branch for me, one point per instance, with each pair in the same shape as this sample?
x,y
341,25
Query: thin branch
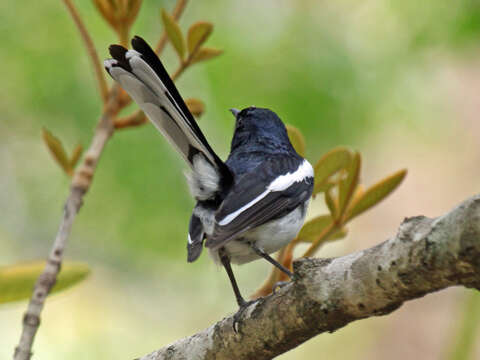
x,y
87,40
425,256
81,182
177,12
136,119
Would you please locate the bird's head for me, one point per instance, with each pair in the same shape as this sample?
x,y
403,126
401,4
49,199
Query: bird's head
x,y
258,126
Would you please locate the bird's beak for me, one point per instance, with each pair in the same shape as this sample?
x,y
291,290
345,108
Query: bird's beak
x,y
235,112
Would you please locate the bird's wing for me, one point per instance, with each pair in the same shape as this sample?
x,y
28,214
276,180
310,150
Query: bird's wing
x,y
272,190
142,75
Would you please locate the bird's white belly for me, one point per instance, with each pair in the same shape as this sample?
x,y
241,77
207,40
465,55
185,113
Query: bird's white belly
x,y
270,237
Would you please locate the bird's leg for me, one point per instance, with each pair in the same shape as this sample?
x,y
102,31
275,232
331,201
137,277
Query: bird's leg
x,y
275,263
240,300
226,264
271,260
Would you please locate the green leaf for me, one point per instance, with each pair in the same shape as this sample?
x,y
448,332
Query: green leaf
x,y
17,281
198,34
56,149
297,139
376,193
330,163
205,53
195,106
77,152
348,185
340,234
313,228
332,206
174,33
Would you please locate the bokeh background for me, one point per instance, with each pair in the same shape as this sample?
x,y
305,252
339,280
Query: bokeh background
x,y
397,80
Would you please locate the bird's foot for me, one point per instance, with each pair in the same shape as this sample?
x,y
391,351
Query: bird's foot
x,y
279,285
237,318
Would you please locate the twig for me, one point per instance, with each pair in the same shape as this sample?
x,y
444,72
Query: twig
x,y
426,255
87,40
81,182
136,119
185,64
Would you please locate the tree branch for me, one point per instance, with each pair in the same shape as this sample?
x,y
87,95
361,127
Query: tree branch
x,y
426,255
92,52
81,182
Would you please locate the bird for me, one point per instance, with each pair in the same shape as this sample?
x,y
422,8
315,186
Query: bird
x,y
247,207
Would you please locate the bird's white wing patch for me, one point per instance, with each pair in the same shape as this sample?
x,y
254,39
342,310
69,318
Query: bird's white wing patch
x,y
228,219
281,183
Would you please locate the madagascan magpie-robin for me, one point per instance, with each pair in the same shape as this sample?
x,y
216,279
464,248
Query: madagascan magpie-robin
x,y
247,207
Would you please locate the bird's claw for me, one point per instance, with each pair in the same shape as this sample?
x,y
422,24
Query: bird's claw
x,y
238,315
279,285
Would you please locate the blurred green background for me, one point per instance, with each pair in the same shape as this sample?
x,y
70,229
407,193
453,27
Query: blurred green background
x,y
397,80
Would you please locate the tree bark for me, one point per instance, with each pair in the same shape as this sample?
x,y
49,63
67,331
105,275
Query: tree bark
x,y
426,255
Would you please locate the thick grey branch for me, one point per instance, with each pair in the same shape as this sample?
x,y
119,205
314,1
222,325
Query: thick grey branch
x,y
426,255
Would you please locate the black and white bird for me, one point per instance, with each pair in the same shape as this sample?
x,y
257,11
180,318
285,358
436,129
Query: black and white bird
x,y
247,207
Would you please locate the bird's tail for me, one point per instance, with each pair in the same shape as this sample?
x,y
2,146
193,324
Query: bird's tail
x,y
142,75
